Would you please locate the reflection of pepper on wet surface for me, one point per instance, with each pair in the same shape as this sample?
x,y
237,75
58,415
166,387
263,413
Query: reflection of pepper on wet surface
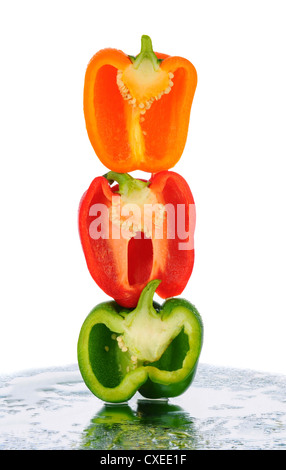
x,y
153,424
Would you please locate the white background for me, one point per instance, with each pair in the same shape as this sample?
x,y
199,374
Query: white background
x,y
234,162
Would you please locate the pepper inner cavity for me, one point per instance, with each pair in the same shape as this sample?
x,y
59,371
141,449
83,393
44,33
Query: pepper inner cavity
x,y
140,259
102,350
111,359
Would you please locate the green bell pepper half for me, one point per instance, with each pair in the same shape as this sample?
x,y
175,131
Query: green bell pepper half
x,y
152,349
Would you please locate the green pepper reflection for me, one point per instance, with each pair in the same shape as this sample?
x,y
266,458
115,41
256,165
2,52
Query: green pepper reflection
x,y
153,425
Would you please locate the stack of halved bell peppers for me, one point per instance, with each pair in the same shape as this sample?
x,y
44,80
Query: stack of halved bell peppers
x,y
137,234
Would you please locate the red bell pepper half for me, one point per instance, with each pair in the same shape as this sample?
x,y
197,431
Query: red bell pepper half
x,y
137,231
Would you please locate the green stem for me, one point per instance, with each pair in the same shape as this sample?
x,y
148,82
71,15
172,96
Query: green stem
x,y
144,307
127,184
146,53
146,298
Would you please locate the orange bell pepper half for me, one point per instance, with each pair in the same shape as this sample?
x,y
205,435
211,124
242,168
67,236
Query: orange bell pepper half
x,y
137,109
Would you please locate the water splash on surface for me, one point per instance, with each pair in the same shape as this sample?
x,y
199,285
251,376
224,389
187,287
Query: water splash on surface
x,y
223,409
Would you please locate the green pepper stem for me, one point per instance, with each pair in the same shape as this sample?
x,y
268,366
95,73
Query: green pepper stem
x,y
127,184
146,298
146,44
146,53
144,307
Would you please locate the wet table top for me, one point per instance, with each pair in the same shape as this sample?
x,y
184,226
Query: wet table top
x,y
223,409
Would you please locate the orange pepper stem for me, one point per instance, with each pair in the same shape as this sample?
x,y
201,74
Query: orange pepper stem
x,y
146,53
127,184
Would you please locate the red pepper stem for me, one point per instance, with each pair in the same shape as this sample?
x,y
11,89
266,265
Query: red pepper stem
x,y
127,184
